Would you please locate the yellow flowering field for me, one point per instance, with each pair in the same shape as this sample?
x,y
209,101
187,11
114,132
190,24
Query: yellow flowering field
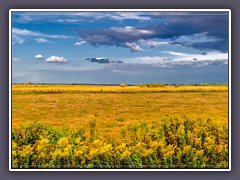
x,y
122,88
144,126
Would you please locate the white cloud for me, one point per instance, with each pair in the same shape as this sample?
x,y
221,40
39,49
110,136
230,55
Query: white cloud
x,y
134,47
56,59
69,17
153,43
129,30
41,40
25,32
119,16
16,60
130,16
79,43
38,56
96,15
26,18
68,20
176,53
16,39
197,38
19,33
209,56
146,60
178,58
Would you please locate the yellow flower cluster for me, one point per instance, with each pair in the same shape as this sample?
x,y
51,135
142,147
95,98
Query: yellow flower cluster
x,y
62,142
126,154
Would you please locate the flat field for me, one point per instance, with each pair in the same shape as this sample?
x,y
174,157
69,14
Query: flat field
x,y
113,106
145,126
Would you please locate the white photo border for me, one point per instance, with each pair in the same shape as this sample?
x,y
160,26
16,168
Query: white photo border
x,y
118,10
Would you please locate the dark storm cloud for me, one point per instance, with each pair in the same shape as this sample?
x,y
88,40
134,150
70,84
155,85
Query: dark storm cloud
x,y
216,26
102,60
117,36
171,27
221,45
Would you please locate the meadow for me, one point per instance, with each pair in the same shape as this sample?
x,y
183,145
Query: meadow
x,y
144,126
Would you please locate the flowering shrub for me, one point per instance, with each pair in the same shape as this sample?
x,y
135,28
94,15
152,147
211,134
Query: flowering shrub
x,y
172,142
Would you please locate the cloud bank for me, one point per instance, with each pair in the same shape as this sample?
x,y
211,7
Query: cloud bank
x,y
190,29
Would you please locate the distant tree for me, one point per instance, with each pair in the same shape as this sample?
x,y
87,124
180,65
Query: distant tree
x,y
122,85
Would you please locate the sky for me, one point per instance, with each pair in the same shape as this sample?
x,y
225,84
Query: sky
x,y
120,47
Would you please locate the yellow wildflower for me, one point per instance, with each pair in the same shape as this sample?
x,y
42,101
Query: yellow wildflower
x,y
205,159
169,153
43,141
121,147
89,156
14,153
65,154
78,153
39,148
186,149
106,148
161,144
93,152
26,151
14,145
78,140
63,142
125,154
198,142
41,155
220,148
139,145
15,162
84,148
199,153
146,153
96,142
153,144
57,153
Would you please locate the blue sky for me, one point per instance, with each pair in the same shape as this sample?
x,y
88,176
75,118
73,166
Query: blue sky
x,y
120,47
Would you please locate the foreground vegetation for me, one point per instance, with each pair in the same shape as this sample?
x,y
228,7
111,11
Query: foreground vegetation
x,y
172,142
